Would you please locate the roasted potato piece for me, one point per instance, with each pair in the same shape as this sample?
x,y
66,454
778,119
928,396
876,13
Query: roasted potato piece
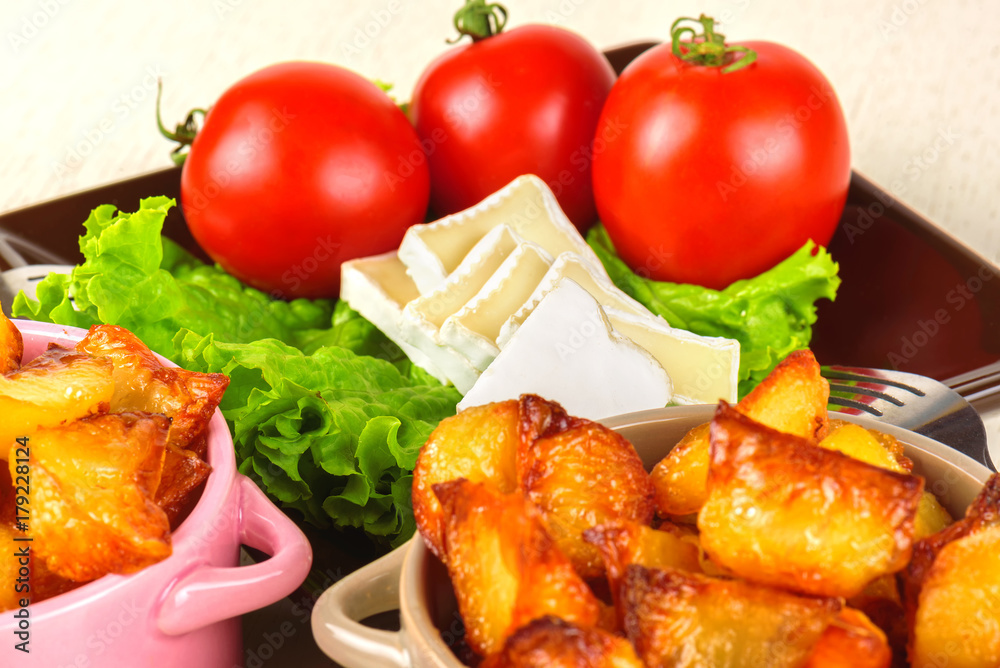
x,y
480,445
92,486
550,642
42,583
784,512
11,345
677,618
792,399
143,383
56,386
182,478
883,450
952,589
504,567
851,641
624,543
889,443
581,476
882,603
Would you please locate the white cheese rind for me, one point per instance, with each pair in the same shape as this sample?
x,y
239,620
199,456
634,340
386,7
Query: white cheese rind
x,y
567,351
473,330
424,315
570,265
526,205
703,369
377,287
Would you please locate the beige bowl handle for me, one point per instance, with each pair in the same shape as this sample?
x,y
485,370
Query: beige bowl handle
x,y
365,592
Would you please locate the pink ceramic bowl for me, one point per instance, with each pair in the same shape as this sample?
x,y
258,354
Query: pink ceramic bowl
x,y
183,611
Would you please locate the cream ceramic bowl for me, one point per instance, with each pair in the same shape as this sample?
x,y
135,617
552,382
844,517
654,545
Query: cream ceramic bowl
x,y
413,581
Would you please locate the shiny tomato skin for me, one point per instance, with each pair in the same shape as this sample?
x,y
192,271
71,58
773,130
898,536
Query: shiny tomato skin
x,y
718,177
524,101
295,171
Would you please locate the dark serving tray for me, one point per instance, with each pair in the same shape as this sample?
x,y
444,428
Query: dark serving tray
x,y
912,298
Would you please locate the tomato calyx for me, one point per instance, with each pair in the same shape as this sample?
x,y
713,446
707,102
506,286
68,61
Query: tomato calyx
x,y
709,49
479,20
183,134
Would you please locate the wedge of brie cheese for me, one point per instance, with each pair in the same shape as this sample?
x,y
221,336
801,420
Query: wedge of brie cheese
x,y
378,287
526,205
703,369
506,297
567,351
570,265
473,330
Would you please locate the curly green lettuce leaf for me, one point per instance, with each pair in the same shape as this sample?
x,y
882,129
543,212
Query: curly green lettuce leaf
x,y
333,435
135,278
770,314
327,414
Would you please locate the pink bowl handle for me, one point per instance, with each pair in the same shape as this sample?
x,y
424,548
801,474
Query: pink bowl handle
x,y
210,594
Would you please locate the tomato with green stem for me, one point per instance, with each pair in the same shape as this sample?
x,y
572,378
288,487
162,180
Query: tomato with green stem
x,y
296,169
512,102
730,158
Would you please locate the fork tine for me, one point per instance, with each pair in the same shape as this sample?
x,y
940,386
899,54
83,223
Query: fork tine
x,y
851,403
867,391
911,401
839,374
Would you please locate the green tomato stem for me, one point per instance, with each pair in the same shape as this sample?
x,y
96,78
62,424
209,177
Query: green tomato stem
x,y
183,134
479,20
709,49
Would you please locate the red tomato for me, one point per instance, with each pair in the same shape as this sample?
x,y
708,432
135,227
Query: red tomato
x,y
524,101
714,177
297,169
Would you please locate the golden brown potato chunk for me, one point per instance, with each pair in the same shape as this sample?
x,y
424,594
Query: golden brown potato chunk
x,y
57,385
550,642
784,512
184,474
885,451
92,486
624,543
952,589
11,345
882,604
504,567
143,383
582,476
480,445
792,399
677,618
851,641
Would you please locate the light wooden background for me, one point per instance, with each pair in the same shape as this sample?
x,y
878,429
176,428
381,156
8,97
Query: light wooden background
x,y
919,80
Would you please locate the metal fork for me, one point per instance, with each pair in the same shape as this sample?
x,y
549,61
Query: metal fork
x,y
917,403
